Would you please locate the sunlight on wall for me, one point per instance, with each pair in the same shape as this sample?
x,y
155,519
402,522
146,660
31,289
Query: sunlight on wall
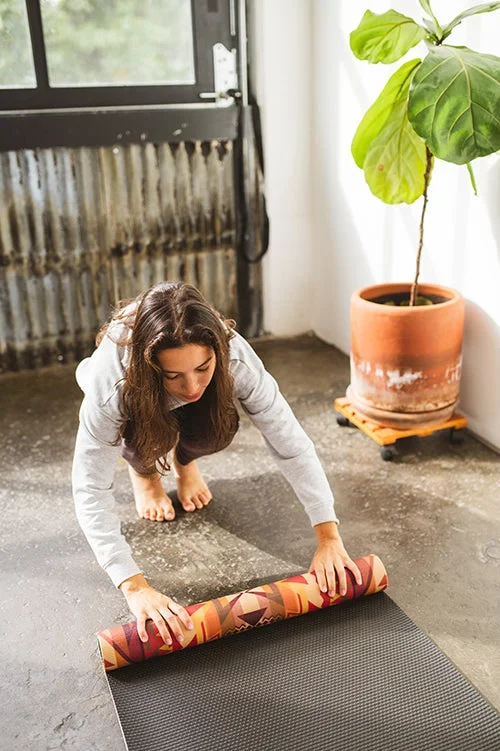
x,y
329,234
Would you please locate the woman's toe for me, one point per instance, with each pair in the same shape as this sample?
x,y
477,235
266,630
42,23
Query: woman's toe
x,y
168,511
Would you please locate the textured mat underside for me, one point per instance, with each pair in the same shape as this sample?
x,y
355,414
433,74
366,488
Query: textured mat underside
x,y
357,677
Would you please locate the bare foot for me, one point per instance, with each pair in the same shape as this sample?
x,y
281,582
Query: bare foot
x,y
192,490
151,501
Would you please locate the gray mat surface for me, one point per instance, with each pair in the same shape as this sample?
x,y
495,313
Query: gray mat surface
x,y
355,677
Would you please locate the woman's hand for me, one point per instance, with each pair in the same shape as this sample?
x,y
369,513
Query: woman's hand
x,y
147,603
331,558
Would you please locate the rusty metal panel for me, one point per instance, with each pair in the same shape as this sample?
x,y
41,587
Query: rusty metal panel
x,y
82,228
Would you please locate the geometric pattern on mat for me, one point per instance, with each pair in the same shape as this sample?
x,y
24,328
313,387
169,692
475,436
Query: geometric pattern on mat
x,y
232,614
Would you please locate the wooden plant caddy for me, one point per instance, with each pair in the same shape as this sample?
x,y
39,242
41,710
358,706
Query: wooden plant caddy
x,y
387,437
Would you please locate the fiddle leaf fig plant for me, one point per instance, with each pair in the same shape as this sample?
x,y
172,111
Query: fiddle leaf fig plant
x,y
386,37
454,104
386,146
446,106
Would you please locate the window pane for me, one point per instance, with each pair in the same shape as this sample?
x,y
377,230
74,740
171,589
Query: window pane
x,y
16,59
118,42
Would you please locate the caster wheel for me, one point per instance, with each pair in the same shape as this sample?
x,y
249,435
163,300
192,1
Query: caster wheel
x,y
388,453
343,421
456,437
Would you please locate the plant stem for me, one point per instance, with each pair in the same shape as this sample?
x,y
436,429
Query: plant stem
x,y
427,177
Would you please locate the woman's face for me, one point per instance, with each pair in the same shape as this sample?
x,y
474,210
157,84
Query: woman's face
x,y
187,370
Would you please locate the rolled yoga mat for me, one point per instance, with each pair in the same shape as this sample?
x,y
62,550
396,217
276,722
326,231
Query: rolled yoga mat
x,y
357,677
231,614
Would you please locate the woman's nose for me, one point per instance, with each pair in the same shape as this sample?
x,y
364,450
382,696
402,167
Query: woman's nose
x,y
192,384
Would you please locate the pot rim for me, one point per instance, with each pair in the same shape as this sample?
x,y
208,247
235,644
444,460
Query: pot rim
x,y
376,290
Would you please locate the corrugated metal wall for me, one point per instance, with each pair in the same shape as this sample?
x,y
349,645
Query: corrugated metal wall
x,y
82,228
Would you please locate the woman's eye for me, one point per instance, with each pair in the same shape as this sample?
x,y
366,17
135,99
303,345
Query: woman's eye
x,y
171,378
202,370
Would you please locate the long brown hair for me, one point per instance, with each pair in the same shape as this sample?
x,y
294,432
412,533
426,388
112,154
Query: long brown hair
x,y
168,315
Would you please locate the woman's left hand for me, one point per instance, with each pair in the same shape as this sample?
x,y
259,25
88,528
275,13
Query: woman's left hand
x,y
330,561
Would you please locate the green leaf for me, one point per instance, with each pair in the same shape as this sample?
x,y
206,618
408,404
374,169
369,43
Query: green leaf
x,y
474,11
472,177
426,5
397,87
454,103
385,37
430,28
396,160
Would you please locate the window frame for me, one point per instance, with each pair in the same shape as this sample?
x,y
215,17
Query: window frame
x,y
77,116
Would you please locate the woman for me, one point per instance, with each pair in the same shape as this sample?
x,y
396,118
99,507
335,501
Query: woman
x,y
163,381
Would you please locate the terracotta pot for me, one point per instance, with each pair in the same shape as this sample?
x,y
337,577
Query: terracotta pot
x,y
406,362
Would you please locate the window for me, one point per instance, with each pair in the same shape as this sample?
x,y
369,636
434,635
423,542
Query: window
x,y
83,73
119,43
17,70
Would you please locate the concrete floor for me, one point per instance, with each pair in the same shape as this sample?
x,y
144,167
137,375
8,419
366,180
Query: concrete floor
x,y
433,517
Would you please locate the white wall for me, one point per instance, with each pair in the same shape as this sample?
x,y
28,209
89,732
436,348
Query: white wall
x,y
358,240
281,61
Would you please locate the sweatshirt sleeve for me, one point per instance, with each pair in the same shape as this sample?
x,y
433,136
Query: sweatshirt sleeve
x,y
94,465
292,449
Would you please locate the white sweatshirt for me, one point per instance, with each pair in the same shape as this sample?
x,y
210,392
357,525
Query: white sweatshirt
x,y
96,457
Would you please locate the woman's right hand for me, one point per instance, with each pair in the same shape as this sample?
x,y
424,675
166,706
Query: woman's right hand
x,y
147,603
